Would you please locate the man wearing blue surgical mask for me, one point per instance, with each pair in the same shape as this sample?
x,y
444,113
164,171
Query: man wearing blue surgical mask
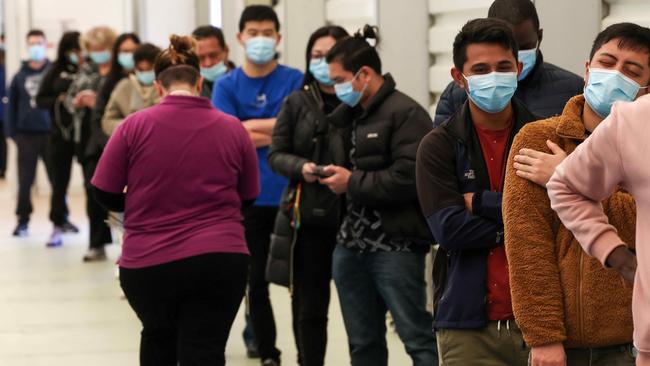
x,y
254,93
212,50
553,280
543,87
27,124
460,172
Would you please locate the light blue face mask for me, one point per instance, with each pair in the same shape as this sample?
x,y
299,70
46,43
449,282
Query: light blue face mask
x,y
529,59
492,92
214,72
36,52
145,78
606,87
74,59
260,50
321,71
126,60
100,57
346,93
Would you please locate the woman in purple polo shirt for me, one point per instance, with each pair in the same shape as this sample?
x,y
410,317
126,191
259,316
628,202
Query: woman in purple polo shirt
x,y
188,169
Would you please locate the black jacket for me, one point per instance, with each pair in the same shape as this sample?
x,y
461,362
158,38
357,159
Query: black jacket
x,y
300,136
450,163
55,84
387,135
545,92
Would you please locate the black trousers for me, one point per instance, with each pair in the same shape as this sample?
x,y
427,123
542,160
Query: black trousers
x,y
30,148
186,307
311,292
100,233
259,222
62,152
3,149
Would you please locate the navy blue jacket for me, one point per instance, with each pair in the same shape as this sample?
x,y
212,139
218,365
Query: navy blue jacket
x,y
449,164
545,92
22,113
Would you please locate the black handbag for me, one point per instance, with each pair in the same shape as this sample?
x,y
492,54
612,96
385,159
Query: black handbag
x,y
287,222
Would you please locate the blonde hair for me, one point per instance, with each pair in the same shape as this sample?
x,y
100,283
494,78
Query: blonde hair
x,y
102,36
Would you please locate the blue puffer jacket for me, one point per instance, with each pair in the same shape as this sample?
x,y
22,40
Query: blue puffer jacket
x,y
544,92
22,113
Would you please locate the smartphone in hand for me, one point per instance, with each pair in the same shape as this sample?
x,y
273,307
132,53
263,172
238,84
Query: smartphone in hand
x,y
319,171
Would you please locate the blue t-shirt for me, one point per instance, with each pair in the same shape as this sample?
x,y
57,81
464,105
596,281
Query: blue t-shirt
x,y
251,98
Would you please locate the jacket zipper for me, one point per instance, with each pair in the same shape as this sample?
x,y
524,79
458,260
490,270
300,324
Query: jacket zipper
x,y
579,299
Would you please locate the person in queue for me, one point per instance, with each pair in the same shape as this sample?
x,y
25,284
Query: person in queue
x,y
254,93
378,262
80,100
299,145
135,92
460,170
61,151
571,309
28,125
184,263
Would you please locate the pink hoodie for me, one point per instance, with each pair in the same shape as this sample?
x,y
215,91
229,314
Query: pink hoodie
x,y
617,153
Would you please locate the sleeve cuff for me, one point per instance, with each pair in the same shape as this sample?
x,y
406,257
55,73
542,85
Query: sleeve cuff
x,y
604,245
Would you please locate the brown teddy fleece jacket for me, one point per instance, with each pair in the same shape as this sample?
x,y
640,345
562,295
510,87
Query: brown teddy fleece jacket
x,y
559,293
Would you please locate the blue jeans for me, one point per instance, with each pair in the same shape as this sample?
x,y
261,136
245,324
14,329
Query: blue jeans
x,y
371,283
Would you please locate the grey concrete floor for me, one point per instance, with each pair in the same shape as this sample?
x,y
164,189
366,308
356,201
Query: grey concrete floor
x,y
56,310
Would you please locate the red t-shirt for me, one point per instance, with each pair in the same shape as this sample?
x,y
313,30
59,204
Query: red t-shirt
x,y
494,145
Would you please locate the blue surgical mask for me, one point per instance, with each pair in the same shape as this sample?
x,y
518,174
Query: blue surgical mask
x,y
100,57
74,59
492,92
321,71
606,87
529,59
260,50
214,72
36,52
145,78
346,93
126,60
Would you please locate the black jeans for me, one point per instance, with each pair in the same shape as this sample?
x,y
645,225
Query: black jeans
x,y
30,147
186,307
100,233
311,292
62,152
259,222
3,149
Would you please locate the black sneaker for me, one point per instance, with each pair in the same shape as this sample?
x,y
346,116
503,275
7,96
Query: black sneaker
x,y
95,255
69,228
270,362
21,231
251,350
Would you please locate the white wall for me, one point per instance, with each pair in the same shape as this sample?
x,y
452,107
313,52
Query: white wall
x,y
160,18
404,45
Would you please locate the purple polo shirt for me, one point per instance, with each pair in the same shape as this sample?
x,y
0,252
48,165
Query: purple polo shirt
x,y
187,167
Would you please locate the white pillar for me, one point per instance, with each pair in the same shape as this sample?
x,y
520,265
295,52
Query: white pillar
x,y
403,50
570,28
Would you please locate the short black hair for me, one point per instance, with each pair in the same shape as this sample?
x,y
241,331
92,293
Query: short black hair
x,y
35,33
483,30
258,13
333,31
630,36
514,12
146,52
355,52
207,31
